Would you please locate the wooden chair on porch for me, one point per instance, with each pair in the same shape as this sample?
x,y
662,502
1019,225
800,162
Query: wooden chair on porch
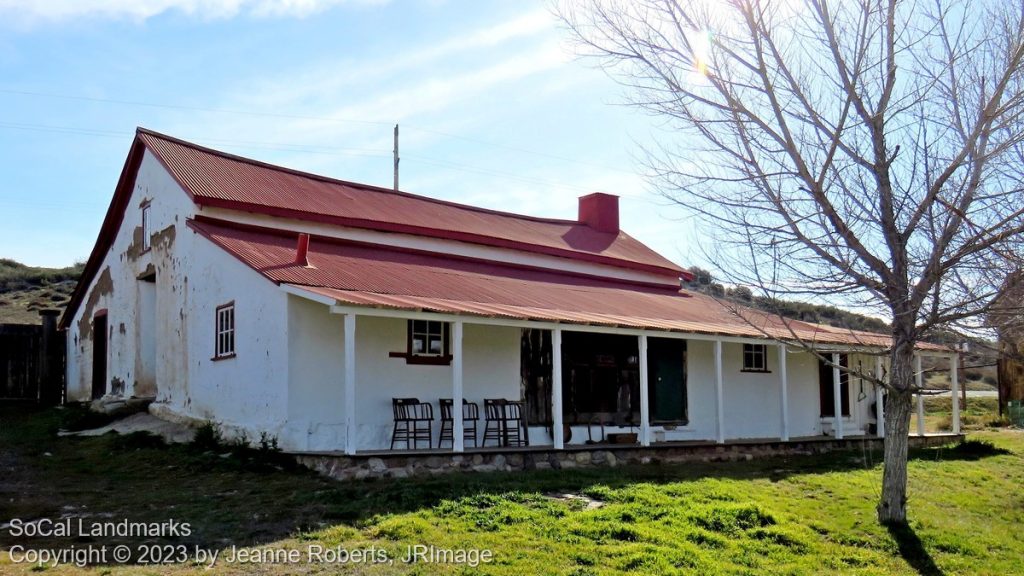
x,y
470,416
414,422
503,422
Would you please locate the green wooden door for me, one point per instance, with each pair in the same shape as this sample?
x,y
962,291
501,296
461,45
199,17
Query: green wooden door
x,y
667,379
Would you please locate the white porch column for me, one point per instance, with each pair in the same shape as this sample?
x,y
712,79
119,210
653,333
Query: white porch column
x,y
918,377
719,401
645,416
556,389
784,392
349,333
457,432
837,398
879,400
954,362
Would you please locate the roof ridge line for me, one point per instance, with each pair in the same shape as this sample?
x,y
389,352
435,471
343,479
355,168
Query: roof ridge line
x,y
332,180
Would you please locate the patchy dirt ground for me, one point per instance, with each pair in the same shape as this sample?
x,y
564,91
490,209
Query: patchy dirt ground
x,y
171,432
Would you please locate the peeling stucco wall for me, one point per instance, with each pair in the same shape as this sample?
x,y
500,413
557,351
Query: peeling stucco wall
x,y
131,358
161,303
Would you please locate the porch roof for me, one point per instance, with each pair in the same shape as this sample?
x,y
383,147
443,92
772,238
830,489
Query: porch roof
x,y
352,273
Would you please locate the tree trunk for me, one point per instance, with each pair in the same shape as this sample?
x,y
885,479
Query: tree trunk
x,y
892,509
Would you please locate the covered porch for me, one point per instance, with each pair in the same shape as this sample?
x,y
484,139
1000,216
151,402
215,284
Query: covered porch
x,y
604,387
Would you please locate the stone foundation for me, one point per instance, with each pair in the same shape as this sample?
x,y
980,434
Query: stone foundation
x,y
406,464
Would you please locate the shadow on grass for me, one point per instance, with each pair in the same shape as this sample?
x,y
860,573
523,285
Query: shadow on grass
x,y
912,549
246,501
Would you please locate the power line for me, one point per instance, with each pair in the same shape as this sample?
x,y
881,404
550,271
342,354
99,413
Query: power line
x,y
310,117
184,107
307,149
280,146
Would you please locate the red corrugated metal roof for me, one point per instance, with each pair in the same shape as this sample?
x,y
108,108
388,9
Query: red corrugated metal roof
x,y
380,276
217,179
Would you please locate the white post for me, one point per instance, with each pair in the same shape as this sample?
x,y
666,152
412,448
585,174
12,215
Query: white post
x,y
879,400
784,392
837,398
954,362
349,334
645,416
918,377
457,431
556,389
719,401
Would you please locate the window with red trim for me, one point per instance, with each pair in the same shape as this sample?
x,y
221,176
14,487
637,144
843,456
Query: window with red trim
x,y
427,338
225,340
426,343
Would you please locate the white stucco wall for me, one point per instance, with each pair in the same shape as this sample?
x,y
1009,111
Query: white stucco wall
x,y
491,370
247,393
316,368
316,397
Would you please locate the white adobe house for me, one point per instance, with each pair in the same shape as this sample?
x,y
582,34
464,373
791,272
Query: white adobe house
x,y
277,302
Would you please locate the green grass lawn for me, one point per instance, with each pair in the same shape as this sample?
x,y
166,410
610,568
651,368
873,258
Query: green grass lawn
x,y
802,515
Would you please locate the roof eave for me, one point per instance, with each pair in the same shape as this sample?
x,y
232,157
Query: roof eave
x,y
108,230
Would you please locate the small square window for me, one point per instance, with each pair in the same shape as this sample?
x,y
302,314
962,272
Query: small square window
x,y
225,340
146,223
427,338
755,358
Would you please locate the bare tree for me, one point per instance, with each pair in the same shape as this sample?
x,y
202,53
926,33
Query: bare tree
x,y
866,152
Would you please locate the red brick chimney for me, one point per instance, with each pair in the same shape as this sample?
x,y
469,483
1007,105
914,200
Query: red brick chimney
x,y
302,249
600,211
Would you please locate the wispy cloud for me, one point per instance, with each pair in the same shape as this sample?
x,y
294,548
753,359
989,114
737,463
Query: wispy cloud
x,y
331,76
431,84
141,10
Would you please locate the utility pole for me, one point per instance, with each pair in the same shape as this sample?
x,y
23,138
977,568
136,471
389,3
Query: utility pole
x,y
396,157
965,347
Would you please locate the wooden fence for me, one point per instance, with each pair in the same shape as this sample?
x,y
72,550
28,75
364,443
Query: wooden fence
x,y
32,361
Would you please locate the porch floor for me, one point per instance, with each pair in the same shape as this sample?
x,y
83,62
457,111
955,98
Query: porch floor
x,y
670,445
405,463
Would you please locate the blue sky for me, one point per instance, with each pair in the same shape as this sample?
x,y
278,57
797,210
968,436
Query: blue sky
x,y
494,108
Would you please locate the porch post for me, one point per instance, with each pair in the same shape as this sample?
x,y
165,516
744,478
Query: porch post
x,y
457,431
918,377
837,399
719,401
954,362
556,389
349,334
879,400
784,392
645,416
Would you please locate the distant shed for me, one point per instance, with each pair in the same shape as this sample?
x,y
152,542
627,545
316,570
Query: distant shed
x,y
1008,319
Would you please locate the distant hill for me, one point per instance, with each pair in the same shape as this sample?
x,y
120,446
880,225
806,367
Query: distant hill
x,y
704,281
979,372
25,290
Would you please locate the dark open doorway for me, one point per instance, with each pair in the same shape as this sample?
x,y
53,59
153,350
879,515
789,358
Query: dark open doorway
x,y
99,355
601,379
826,387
